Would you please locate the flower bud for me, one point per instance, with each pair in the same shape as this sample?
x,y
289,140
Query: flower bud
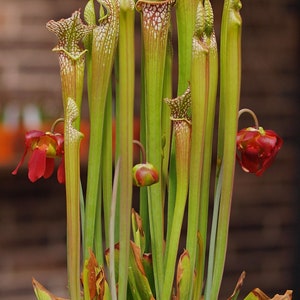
x,y
257,148
144,174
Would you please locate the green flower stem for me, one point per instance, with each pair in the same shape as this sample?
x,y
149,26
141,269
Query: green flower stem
x,y
107,171
166,122
210,41
230,95
107,159
72,139
180,114
126,103
213,232
144,212
168,171
199,92
155,26
102,54
112,220
186,16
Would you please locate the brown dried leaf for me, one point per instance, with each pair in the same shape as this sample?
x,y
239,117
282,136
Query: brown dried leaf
x,y
96,278
238,286
287,296
258,294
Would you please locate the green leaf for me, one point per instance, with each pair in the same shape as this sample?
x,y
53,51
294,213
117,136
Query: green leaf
x,y
42,293
138,282
137,230
148,267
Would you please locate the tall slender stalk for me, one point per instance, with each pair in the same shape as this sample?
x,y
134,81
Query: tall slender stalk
x,y
212,77
229,106
155,26
181,116
72,167
102,51
126,102
166,122
199,93
186,18
107,166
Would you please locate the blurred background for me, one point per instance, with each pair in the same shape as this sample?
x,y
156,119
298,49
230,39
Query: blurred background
x,y
265,226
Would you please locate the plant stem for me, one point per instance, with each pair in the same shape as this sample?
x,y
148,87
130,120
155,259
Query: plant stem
x,y
186,17
126,101
199,93
212,77
112,233
165,116
229,104
180,114
102,54
72,139
107,165
155,32
252,113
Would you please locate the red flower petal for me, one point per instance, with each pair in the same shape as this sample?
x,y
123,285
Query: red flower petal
x,y
31,136
15,171
60,144
36,165
61,172
49,167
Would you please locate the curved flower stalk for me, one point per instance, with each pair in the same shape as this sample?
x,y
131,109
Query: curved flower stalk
x,y
155,26
181,117
71,56
101,45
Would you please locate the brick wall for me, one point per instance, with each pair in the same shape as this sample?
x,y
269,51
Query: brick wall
x,y
265,213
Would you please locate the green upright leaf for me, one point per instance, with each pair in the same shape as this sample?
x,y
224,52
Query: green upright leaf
x,y
101,53
155,26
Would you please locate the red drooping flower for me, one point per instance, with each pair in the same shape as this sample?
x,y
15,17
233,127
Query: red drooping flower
x,y
257,148
44,148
